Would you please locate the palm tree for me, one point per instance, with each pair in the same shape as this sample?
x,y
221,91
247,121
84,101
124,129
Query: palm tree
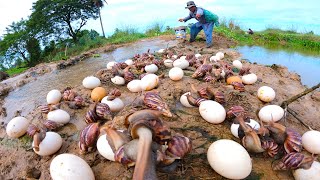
x,y
100,4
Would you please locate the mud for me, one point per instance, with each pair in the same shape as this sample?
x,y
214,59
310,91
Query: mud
x,y
18,161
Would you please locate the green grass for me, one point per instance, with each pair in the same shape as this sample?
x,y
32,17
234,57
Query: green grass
x,y
16,70
272,38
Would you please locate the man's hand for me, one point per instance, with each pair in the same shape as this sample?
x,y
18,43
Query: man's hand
x,y
198,16
181,20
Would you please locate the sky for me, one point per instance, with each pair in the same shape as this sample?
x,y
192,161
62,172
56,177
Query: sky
x,y
302,16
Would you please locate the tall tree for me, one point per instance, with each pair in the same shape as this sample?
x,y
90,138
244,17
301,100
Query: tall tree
x,y
61,18
19,45
99,4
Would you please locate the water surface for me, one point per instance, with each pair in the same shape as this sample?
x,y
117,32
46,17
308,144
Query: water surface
x,y
307,66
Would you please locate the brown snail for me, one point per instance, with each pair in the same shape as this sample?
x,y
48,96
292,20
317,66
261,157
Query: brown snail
x,y
155,102
88,138
293,161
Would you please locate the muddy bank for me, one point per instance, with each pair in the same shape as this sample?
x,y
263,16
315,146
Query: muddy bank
x,y
18,161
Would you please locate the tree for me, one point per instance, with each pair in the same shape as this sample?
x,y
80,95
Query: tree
x,y
100,4
61,17
19,44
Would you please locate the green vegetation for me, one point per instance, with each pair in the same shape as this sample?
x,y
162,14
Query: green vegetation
x,y
271,38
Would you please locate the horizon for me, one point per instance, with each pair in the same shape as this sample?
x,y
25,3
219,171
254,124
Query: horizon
x,y
285,15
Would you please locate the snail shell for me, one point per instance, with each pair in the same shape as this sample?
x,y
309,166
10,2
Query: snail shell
x,y
114,105
91,116
155,102
311,141
266,94
91,82
152,68
49,145
54,96
69,166
229,159
176,73
293,142
59,116
103,111
17,127
293,161
68,95
179,146
118,80
207,107
238,86
234,111
88,138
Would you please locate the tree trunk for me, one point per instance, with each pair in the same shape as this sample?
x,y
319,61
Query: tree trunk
x,y
101,24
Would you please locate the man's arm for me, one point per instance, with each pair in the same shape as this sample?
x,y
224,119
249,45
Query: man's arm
x,y
187,18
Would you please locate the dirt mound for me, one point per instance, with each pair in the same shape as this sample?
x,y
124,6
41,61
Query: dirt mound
x,y
18,161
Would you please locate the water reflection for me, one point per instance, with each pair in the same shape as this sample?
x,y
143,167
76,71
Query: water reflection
x,y
29,96
307,66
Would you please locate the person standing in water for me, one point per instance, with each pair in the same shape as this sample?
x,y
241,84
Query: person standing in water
x,y
206,21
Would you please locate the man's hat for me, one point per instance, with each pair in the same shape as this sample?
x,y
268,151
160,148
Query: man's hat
x,y
190,4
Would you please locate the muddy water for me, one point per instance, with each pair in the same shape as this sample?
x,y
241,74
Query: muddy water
x,y
307,66
33,94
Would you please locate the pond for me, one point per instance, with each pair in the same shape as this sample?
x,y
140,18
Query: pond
x,y
33,94
307,66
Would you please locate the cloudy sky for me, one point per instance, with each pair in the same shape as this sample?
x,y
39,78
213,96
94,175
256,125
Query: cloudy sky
x,y
258,15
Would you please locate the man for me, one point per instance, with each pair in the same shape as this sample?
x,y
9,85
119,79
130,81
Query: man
x,y
206,21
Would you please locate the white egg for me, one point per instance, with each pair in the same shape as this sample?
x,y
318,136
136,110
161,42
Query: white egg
x,y
183,57
114,105
266,94
220,55
54,96
152,68
118,80
214,58
49,145
161,50
313,173
59,116
111,64
235,127
168,63
237,64
311,141
184,101
174,56
212,111
223,73
249,78
181,63
229,159
149,81
17,127
91,82
271,113
176,73
129,62
197,55
134,85
104,148
69,166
